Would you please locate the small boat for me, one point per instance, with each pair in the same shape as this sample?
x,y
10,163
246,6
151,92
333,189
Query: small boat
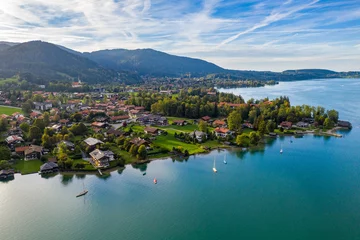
x,y
83,192
281,150
225,162
144,173
155,181
214,168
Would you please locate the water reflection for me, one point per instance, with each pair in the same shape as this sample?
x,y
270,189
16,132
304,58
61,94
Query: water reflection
x,y
80,176
141,167
48,175
104,176
66,179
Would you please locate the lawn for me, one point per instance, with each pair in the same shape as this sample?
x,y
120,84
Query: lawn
x,y
169,141
175,128
88,166
9,110
27,167
124,154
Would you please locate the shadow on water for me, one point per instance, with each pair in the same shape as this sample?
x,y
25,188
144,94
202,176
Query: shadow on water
x,y
179,159
7,180
120,170
66,179
141,167
104,177
49,175
80,176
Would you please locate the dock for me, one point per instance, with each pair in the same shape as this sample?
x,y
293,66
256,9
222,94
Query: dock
x,y
100,172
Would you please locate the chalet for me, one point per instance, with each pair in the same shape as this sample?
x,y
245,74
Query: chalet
x,y
42,106
33,152
7,174
286,125
302,124
64,122
15,131
92,142
179,122
222,132
206,118
248,125
219,123
344,124
34,115
199,135
119,119
16,115
69,145
99,159
110,155
151,130
152,120
98,124
134,113
139,141
21,119
13,140
49,167
114,132
21,150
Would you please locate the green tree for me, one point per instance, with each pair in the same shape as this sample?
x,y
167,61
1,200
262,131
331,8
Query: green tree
x,y
234,121
5,153
328,123
270,126
254,138
25,127
3,124
242,140
261,126
4,165
39,123
35,133
46,119
333,115
26,107
133,150
37,98
202,126
141,152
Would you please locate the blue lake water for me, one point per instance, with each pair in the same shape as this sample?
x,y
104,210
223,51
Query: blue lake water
x,y
311,191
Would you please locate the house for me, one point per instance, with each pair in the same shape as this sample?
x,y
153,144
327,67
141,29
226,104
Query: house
x,y
151,119
199,135
98,124
286,125
206,118
69,145
56,127
151,130
110,155
13,140
34,115
134,113
219,123
344,124
42,106
114,132
92,142
179,122
99,159
64,122
248,125
119,119
49,167
222,132
33,152
273,134
302,124
139,141
15,131
7,174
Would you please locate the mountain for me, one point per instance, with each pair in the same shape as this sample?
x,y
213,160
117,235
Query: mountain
x,y
6,45
152,62
48,61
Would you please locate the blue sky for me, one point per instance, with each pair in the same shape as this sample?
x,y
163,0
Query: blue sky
x,y
239,34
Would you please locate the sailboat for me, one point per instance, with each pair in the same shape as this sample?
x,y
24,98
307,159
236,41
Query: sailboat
x,y
214,168
281,150
83,192
225,162
155,181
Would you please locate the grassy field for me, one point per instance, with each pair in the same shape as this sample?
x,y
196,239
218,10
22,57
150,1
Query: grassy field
x,y
27,167
88,166
178,129
169,141
9,110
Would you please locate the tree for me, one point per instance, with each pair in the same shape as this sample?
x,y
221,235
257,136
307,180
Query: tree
x,y
39,123
78,129
141,152
24,127
270,126
46,119
202,126
4,165
26,107
254,138
3,124
76,117
133,150
5,153
242,140
328,123
333,115
35,133
261,126
234,121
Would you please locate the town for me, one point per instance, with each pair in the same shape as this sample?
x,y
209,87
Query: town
x,y
99,130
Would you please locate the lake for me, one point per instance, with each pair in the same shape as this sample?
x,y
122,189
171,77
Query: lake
x,y
311,191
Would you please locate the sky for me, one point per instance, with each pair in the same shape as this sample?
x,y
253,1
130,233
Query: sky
x,y
272,35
